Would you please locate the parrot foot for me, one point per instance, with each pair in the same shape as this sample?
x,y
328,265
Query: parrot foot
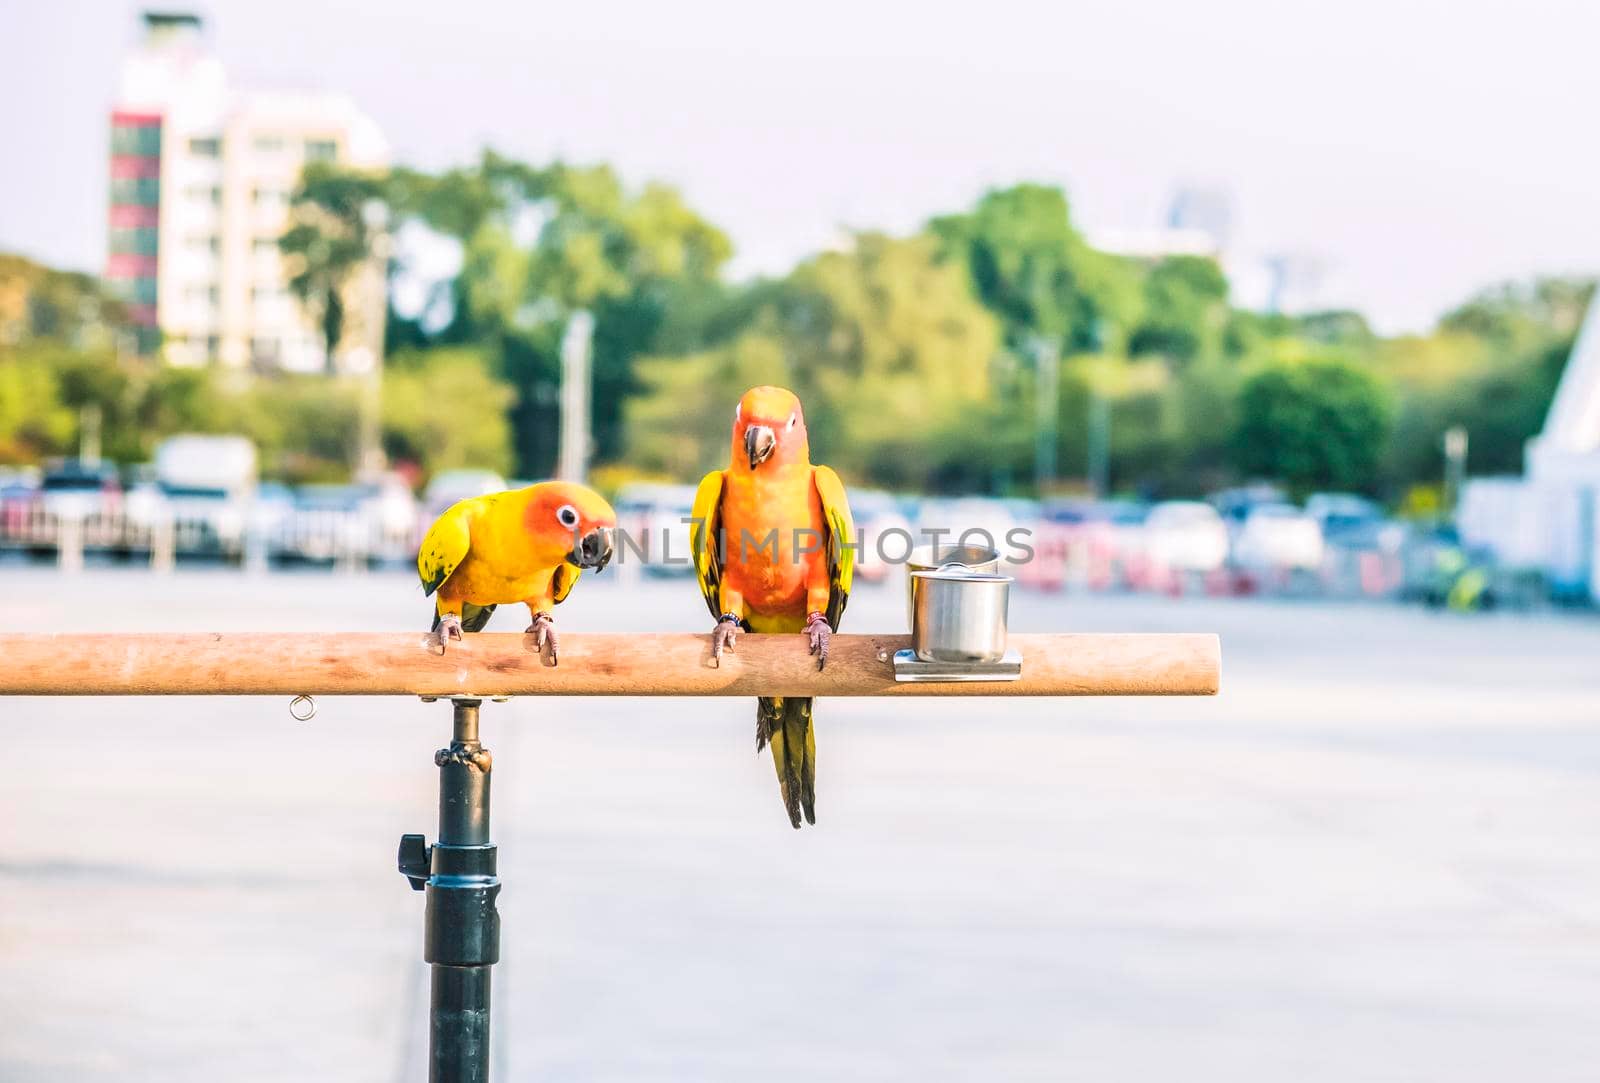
x,y
818,634
543,630
449,628
723,637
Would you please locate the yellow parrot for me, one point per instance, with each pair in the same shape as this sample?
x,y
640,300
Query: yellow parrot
x,y
773,546
526,545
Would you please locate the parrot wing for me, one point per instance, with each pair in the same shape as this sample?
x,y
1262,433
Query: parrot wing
x,y
445,546
705,528
841,540
562,580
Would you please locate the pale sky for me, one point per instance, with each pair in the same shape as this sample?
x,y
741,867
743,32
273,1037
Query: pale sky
x,y
1418,151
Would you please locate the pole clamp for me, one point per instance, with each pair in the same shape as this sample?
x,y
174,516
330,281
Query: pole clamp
x,y
415,860
466,757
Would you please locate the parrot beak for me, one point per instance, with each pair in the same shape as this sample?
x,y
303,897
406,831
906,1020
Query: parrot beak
x,y
759,442
593,550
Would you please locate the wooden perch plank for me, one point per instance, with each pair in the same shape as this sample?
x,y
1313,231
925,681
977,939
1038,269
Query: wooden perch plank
x,y
501,664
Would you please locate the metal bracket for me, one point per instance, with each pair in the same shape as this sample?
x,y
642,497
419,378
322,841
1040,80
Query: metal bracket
x,y
415,860
908,667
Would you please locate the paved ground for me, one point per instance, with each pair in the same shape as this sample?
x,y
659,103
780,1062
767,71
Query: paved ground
x,y
1373,857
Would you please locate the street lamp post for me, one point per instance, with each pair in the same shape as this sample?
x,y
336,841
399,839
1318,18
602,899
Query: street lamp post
x,y
1047,405
573,461
1455,465
1099,444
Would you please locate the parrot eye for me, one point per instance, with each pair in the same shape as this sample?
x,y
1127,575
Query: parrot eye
x,y
794,417
567,516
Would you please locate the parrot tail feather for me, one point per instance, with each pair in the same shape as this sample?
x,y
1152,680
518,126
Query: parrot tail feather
x,y
786,724
808,762
769,715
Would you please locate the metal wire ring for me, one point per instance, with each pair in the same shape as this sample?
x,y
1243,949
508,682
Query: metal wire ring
x,y
303,713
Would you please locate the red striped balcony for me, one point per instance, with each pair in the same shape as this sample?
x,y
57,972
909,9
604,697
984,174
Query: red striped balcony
x,y
130,265
128,165
130,214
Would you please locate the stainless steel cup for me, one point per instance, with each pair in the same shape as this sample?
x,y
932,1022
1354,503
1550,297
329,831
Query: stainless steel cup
x,y
959,615
926,558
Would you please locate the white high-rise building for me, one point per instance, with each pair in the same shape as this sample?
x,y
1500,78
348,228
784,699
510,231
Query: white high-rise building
x,y
201,177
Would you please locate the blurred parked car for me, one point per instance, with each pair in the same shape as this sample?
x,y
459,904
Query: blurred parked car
x,y
1064,536
1340,514
208,483
73,490
390,510
981,520
1439,571
666,530
18,489
1185,536
270,514
328,524
1278,538
1236,504
144,508
18,481
883,530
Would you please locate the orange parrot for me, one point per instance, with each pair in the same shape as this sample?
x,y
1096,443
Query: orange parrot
x,y
526,545
772,542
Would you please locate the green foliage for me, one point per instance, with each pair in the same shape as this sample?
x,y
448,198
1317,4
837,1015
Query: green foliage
x,y
918,357
443,410
334,216
40,303
1185,310
1336,327
540,243
679,426
883,342
1491,367
1518,316
1033,270
34,422
1316,423
304,427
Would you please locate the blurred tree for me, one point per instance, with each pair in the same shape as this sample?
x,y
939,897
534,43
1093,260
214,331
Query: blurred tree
x,y
540,243
442,410
1336,327
1034,270
334,217
883,342
1249,334
303,426
678,425
1198,422
1317,422
916,356
39,302
1492,366
34,422
173,400
1185,310
1519,317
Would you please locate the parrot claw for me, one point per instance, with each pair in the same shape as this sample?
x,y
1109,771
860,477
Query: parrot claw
x,y
543,630
818,634
449,628
723,637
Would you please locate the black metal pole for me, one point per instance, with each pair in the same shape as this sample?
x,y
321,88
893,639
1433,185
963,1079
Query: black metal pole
x,y
462,938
